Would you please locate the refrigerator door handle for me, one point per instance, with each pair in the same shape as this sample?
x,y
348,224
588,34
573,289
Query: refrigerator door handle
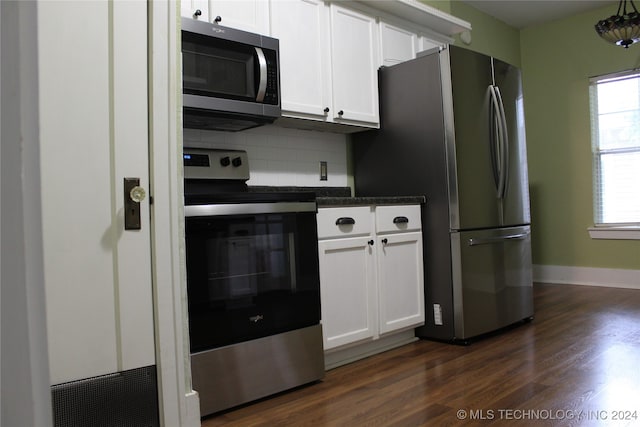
x,y
497,142
491,240
504,169
493,137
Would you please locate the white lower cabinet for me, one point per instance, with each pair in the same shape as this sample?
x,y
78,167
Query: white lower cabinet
x,y
400,279
371,274
347,268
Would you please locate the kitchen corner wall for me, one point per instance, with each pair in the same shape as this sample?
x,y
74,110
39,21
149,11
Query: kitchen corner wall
x,y
489,35
281,156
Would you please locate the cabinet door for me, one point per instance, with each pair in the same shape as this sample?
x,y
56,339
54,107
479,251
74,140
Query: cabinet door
x,y
301,27
190,8
400,281
347,290
397,44
247,15
425,43
93,130
354,65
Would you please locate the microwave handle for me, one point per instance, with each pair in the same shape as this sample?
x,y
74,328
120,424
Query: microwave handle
x,y
262,85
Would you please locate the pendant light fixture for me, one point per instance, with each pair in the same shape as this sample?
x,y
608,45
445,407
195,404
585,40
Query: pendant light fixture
x,y
621,29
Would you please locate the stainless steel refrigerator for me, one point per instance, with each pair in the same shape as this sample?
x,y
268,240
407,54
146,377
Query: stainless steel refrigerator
x,y
452,129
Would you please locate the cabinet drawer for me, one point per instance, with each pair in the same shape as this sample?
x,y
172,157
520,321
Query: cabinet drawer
x,y
356,221
391,219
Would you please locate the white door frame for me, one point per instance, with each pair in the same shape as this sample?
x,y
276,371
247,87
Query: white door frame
x,y
24,387
179,404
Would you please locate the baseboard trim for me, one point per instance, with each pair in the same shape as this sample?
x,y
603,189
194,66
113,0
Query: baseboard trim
x,y
192,417
343,356
589,276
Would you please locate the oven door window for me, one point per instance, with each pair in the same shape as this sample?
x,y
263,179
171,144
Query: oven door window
x,y
250,276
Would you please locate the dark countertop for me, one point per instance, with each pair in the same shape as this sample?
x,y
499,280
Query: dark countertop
x,y
324,202
320,191
341,196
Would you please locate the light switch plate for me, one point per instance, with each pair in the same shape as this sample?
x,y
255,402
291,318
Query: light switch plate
x,y
323,171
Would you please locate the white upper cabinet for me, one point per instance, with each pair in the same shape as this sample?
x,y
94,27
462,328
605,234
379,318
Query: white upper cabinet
x,y
247,15
195,9
330,51
428,43
354,64
397,44
328,62
301,26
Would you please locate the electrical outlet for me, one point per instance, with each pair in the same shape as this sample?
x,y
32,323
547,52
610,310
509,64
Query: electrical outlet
x,y
323,171
437,314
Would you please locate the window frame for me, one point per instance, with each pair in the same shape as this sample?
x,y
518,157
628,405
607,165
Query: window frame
x,y
603,230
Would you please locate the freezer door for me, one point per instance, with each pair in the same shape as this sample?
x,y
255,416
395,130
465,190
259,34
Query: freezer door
x,y
515,204
492,279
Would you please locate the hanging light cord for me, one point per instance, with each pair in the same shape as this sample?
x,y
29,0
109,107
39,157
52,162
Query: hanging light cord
x,y
624,8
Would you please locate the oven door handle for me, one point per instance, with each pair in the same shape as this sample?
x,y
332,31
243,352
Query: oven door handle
x,y
249,208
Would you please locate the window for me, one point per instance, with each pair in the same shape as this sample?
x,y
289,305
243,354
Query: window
x,y
615,135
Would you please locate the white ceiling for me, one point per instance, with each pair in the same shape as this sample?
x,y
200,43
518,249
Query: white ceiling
x,y
525,13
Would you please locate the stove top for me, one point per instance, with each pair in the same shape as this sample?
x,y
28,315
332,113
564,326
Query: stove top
x,y
248,197
216,176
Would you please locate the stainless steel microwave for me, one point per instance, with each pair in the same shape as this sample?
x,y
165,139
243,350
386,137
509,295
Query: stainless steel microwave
x,y
230,78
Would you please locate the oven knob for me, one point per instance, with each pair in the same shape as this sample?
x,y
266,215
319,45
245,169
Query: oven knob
x,y
237,161
225,161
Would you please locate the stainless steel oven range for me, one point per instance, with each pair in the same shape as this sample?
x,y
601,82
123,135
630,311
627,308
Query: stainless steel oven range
x,y
252,283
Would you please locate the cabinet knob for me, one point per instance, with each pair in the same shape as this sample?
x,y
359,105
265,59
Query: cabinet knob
x,y
340,113
326,109
218,19
197,13
371,242
400,220
385,241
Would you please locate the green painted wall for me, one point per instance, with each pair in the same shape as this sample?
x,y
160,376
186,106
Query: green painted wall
x,y
557,60
488,35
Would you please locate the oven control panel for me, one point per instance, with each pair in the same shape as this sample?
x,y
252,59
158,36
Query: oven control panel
x,y
201,163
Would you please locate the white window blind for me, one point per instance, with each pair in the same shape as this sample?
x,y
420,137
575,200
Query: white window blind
x,y
615,135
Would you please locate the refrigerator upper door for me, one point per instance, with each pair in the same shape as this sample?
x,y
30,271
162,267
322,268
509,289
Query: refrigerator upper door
x,y
515,204
472,185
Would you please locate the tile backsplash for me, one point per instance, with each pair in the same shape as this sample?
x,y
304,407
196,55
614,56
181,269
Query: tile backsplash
x,y
282,156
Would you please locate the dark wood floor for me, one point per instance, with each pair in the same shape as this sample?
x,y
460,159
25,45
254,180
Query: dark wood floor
x,y
576,364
